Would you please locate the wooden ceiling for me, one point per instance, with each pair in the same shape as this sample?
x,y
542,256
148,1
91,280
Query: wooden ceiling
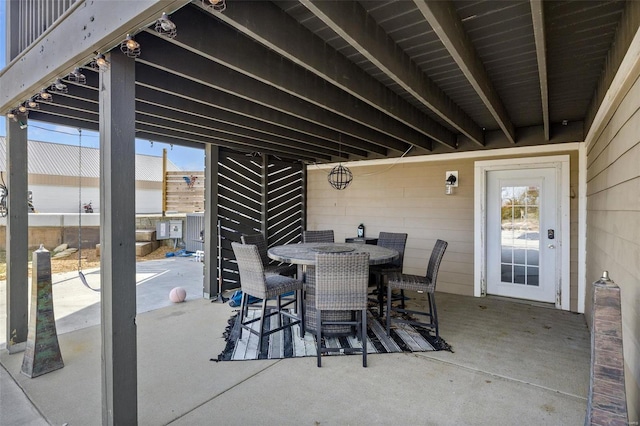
x,y
324,81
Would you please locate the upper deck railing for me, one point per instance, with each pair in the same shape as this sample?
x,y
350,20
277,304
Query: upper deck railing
x,y
28,19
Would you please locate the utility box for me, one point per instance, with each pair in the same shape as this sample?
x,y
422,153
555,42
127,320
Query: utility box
x,y
162,230
175,229
194,232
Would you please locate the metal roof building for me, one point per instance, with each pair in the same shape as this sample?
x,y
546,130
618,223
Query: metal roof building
x,y
56,159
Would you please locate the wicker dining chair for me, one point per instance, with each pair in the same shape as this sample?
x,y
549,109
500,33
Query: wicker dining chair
x,y
395,241
323,236
254,282
269,268
341,285
421,284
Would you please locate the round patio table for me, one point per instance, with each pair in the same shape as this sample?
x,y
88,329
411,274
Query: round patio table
x,y
305,255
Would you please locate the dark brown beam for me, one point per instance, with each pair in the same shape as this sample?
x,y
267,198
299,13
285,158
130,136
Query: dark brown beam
x,y
189,65
144,112
169,129
253,60
144,121
537,16
201,116
445,22
350,21
160,116
154,85
220,141
168,104
281,33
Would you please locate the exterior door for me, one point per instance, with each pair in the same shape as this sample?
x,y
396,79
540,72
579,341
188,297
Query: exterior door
x,y
522,234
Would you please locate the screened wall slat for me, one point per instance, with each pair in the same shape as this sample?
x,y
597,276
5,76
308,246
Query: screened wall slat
x,y
240,197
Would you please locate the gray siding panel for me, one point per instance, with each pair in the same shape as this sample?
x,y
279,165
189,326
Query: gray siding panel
x,y
613,225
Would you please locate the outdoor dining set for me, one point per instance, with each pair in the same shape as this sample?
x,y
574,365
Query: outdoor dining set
x,y
324,286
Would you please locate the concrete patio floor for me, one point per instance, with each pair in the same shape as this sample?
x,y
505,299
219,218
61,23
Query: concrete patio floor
x,y
514,363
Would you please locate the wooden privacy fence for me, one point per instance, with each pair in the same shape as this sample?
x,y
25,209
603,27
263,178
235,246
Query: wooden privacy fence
x,y
183,192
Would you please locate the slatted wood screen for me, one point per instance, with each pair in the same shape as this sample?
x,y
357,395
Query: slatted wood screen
x,y
242,189
181,195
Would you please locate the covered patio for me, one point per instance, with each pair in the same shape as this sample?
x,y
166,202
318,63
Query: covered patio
x,y
511,361
404,94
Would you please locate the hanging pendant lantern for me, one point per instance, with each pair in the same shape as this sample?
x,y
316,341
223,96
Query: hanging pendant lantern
x,y
340,177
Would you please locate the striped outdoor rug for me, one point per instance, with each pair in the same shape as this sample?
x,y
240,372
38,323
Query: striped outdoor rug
x,y
288,343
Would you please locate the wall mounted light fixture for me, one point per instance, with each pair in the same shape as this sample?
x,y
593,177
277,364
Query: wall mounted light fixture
x,y
450,182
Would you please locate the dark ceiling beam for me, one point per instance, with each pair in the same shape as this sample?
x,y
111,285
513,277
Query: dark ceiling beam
x,y
154,114
530,136
226,118
188,65
221,140
87,111
269,25
253,60
64,117
165,82
445,22
85,125
215,118
73,108
243,143
170,107
537,16
351,22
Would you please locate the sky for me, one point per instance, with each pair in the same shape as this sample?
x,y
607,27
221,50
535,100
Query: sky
x,y
189,159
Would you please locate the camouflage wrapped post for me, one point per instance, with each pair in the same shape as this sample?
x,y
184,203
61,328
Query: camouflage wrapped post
x,y
42,354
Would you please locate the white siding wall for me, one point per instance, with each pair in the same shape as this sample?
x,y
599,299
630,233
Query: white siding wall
x,y
64,199
613,226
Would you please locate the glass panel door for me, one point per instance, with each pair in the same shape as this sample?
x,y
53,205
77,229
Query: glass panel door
x,y
521,216
520,234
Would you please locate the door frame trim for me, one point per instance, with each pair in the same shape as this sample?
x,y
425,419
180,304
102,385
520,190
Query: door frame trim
x,y
481,168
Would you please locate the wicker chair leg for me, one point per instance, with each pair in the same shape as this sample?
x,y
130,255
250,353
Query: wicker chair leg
x,y
244,305
380,289
434,313
242,315
319,336
300,310
279,307
363,336
388,310
262,323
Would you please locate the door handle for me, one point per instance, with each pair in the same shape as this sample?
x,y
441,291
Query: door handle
x,y
551,246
